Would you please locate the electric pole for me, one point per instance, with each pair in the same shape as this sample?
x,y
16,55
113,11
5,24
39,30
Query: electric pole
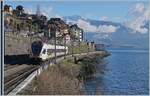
x,y
72,45
65,47
55,46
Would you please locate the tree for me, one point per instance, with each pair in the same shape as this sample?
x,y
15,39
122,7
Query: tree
x,y
29,25
18,28
6,8
72,36
35,27
19,9
14,26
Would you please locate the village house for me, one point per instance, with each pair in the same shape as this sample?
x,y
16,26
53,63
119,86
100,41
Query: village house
x,y
61,30
37,24
17,20
76,32
14,19
8,11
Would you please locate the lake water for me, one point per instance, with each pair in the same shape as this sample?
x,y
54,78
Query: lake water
x,y
124,72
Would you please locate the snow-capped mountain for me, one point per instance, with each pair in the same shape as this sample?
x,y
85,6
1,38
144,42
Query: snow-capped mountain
x,y
122,37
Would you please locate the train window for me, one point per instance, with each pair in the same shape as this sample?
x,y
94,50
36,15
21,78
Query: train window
x,y
44,51
57,50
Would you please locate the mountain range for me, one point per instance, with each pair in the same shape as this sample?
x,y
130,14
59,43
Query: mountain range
x,y
123,37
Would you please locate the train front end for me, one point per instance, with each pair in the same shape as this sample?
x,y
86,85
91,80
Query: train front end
x,y
36,48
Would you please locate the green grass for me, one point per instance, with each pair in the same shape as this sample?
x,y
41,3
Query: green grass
x,y
84,68
82,48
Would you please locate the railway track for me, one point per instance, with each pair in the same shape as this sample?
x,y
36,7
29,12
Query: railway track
x,y
18,73
8,66
12,80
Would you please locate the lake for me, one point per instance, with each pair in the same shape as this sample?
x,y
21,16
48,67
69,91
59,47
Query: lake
x,y
124,72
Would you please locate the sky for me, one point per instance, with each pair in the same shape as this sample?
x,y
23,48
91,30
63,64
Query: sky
x,y
115,11
132,14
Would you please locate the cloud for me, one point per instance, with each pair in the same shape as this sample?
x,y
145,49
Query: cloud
x,y
58,16
87,27
43,10
68,21
101,36
104,18
107,28
137,25
45,14
140,16
137,9
29,11
47,11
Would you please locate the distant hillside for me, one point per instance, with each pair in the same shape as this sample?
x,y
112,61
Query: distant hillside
x,y
123,37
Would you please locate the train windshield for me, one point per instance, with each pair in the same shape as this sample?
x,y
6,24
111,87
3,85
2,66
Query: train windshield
x,y
44,51
36,48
